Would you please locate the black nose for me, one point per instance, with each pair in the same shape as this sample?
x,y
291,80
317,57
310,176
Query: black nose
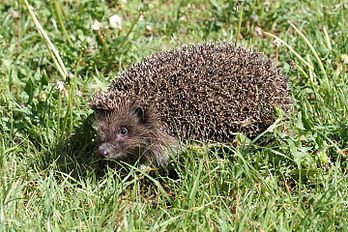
x,y
103,152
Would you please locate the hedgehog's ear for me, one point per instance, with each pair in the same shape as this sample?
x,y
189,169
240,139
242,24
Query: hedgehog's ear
x,y
140,113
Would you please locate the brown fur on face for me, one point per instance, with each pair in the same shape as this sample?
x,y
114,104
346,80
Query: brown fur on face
x,y
143,140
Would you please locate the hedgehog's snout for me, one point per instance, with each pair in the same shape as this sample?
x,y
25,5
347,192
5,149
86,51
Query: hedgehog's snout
x,y
103,152
108,150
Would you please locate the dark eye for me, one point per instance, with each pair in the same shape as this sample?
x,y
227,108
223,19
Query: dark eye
x,y
123,131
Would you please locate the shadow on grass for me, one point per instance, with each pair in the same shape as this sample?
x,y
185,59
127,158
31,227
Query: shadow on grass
x,y
76,156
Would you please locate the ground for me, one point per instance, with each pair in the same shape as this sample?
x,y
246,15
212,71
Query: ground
x,y
293,177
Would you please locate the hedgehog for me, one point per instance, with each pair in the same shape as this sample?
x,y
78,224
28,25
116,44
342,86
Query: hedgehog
x,y
206,92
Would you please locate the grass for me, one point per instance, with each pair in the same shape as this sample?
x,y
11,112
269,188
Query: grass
x,y
51,179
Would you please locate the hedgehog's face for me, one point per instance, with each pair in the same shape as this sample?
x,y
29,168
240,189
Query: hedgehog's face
x,y
123,133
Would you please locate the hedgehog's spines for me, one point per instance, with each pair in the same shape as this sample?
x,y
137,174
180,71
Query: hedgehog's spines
x,y
204,92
